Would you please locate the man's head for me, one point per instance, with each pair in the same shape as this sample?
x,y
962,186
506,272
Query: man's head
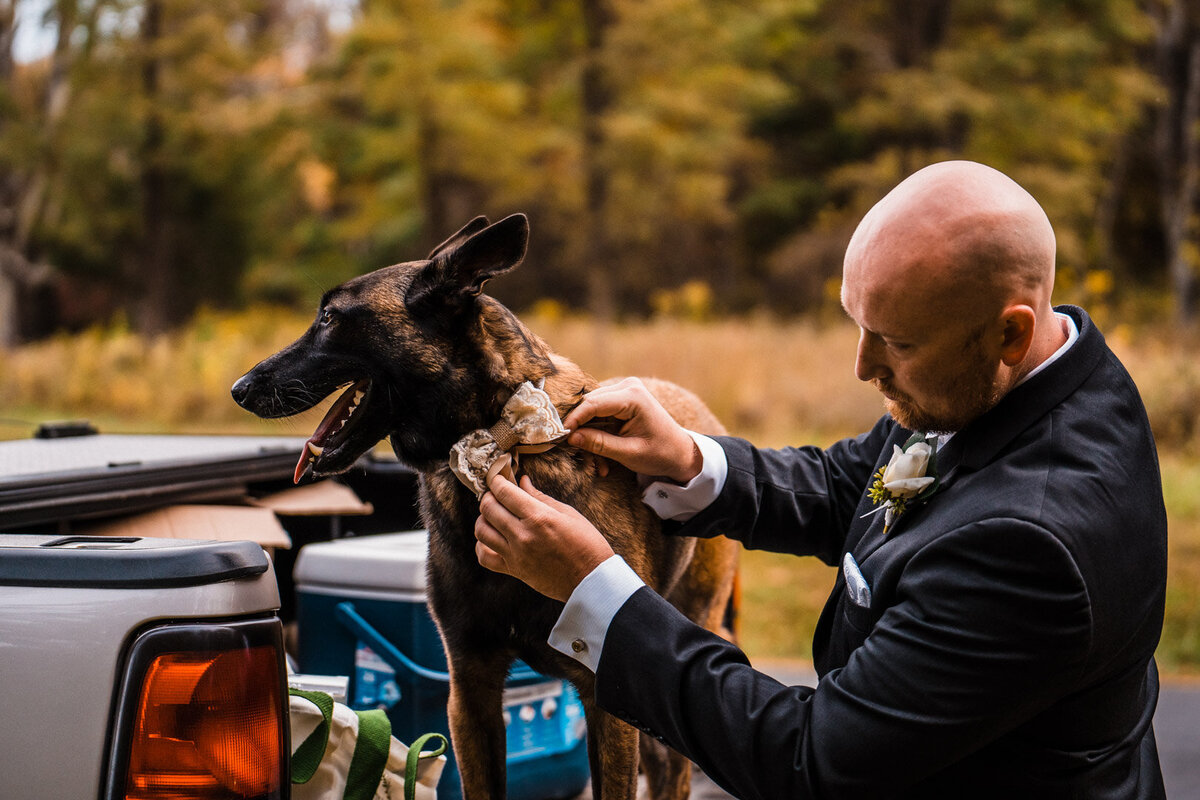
x,y
949,279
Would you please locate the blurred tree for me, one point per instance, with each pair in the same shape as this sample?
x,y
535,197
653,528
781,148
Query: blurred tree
x,y
624,149
410,128
32,103
1177,147
1046,91
139,153
170,153
194,66
679,153
597,95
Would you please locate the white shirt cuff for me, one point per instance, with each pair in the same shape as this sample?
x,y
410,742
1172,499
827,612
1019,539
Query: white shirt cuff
x,y
671,501
583,624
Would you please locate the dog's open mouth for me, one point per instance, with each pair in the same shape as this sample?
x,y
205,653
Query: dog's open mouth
x,y
332,429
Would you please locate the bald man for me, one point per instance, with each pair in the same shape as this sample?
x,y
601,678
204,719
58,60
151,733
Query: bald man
x,y
1000,532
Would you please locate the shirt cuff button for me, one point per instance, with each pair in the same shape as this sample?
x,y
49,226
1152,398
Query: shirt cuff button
x,y
579,645
662,494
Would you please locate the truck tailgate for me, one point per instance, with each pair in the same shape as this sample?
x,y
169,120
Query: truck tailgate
x,y
72,605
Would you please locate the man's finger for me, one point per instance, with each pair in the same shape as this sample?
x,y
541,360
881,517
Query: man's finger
x,y
607,401
542,497
490,559
515,500
488,534
493,510
597,442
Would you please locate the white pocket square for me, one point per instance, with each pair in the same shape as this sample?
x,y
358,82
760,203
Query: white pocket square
x,y
856,584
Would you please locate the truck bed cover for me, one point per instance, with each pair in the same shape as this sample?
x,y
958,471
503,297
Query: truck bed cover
x,y
44,481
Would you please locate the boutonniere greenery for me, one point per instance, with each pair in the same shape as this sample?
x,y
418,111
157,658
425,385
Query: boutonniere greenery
x,y
910,477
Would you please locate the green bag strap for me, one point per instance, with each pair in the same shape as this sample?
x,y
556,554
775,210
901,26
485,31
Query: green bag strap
x,y
370,755
308,755
414,759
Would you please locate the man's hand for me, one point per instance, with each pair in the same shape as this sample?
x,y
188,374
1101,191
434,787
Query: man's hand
x,y
535,538
650,442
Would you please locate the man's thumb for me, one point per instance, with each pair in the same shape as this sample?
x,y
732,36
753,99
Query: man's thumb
x,y
591,440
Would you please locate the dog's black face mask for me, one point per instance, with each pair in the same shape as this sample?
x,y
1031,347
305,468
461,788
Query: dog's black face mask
x,y
393,341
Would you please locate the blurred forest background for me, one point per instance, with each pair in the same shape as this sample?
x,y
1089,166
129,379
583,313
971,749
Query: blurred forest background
x,y
181,180
157,156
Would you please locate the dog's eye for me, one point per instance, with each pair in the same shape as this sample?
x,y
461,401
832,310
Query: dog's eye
x,y
327,317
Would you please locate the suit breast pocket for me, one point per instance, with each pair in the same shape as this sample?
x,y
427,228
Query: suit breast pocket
x,y
858,618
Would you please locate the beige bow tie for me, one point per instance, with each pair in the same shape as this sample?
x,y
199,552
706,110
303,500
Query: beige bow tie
x,y
529,423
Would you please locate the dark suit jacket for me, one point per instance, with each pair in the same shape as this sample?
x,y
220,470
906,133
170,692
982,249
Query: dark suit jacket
x,y
1007,648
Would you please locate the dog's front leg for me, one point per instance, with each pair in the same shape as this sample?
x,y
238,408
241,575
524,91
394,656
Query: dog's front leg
x,y
476,719
668,773
613,756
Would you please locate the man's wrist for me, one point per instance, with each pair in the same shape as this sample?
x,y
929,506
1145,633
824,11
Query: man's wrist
x,y
585,566
693,467
682,501
583,624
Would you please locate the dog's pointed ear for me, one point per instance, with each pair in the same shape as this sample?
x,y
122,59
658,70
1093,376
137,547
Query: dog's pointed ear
x,y
461,235
458,272
493,251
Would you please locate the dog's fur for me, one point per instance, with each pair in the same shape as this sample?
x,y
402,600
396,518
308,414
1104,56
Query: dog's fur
x,y
435,358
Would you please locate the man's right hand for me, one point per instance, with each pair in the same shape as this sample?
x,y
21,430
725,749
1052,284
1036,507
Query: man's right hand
x,y
650,442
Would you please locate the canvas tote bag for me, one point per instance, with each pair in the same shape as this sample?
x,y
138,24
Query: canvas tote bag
x,y
342,754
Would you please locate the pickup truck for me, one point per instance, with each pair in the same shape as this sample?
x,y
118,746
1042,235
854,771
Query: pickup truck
x,y
139,666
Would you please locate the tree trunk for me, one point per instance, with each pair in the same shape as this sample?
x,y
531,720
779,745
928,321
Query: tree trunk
x,y
918,28
597,93
1176,142
8,282
25,307
25,293
152,310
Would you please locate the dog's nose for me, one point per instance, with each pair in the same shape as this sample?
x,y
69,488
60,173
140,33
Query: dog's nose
x,y
241,390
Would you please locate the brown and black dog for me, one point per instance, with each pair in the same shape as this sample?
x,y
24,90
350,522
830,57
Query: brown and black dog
x,y
427,358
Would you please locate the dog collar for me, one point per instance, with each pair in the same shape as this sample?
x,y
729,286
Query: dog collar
x,y
529,423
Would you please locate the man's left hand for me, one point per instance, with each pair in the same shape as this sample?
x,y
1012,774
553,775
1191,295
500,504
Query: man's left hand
x,y
533,537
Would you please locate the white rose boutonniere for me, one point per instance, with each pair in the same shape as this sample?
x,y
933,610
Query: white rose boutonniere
x,y
909,477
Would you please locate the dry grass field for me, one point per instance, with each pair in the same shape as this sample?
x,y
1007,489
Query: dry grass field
x,y
773,382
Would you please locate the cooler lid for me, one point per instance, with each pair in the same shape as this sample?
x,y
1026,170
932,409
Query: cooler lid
x,y
387,562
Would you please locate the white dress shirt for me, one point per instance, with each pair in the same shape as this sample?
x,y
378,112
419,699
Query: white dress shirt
x,y
583,624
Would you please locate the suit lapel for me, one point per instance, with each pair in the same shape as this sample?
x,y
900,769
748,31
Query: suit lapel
x,y
866,529
970,449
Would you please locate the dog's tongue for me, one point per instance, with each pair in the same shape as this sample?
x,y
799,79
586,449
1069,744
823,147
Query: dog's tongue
x,y
335,418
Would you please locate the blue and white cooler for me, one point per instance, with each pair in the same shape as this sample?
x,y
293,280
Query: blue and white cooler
x,y
361,611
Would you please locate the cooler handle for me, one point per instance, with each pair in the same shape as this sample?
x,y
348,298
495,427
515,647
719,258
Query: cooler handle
x,y
349,617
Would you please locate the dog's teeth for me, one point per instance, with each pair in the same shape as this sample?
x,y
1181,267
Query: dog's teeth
x,y
358,396
350,411
315,450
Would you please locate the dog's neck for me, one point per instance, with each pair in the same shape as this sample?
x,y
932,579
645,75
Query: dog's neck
x,y
514,354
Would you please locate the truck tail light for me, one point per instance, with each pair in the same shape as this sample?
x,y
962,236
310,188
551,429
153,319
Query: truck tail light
x,y
202,715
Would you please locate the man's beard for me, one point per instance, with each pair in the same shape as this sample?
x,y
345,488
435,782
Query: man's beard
x,y
969,394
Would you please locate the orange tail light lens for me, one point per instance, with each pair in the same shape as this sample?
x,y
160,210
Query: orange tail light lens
x,y
203,717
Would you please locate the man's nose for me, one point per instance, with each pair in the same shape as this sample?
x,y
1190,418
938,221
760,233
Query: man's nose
x,y
868,361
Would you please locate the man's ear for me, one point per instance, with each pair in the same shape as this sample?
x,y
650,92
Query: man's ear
x,y
1019,325
459,269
